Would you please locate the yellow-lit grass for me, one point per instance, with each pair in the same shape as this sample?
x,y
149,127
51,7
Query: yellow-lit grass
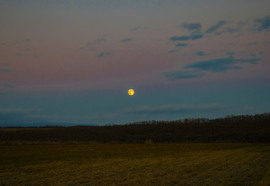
x,y
135,164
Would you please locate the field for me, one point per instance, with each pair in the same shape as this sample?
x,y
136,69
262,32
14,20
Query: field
x,y
135,164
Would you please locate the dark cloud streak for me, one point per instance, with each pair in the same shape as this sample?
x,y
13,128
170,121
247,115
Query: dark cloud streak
x,y
6,70
175,75
262,24
6,85
186,38
125,40
180,38
213,65
215,27
103,54
181,45
220,64
192,27
200,53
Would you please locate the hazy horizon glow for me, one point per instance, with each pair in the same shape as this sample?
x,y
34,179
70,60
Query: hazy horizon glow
x,y
74,61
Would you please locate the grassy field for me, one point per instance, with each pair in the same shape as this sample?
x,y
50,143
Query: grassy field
x,y
135,164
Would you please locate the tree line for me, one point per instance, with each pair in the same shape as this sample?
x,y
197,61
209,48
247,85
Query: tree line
x,y
240,128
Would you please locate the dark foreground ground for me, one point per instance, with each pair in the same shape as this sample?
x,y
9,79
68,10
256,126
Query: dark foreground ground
x,y
228,151
135,164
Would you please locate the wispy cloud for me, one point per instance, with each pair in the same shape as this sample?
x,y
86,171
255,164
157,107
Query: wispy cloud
x,y
215,27
100,40
179,38
229,30
192,27
200,53
262,24
196,32
88,46
196,36
229,53
18,42
6,70
197,68
253,43
181,45
103,54
171,51
182,74
220,64
185,38
125,40
6,85
92,45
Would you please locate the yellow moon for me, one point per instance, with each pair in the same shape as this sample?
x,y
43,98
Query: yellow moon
x,y
131,92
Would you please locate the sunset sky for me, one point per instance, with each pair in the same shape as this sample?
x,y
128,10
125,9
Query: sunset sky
x,y
73,61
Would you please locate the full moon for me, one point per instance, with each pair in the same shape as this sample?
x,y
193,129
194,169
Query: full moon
x,y
131,92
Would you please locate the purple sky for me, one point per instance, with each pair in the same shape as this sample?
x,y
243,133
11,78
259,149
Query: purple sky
x,y
73,61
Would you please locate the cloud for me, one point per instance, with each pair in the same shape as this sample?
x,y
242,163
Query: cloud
x,y
16,43
180,38
6,85
196,36
92,45
171,51
174,75
215,27
173,109
253,43
220,64
185,38
262,24
195,32
212,65
5,70
229,29
192,27
230,53
88,46
200,53
181,45
100,40
125,40
103,54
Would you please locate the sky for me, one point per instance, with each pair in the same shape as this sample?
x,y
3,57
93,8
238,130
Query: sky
x,y
73,61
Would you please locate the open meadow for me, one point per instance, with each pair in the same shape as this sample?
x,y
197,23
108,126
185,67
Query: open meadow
x,y
135,164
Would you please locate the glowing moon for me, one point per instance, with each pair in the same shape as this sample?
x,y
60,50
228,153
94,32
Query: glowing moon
x,y
131,92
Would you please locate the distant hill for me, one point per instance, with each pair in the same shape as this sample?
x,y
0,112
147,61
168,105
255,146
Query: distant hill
x,y
242,128
43,124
